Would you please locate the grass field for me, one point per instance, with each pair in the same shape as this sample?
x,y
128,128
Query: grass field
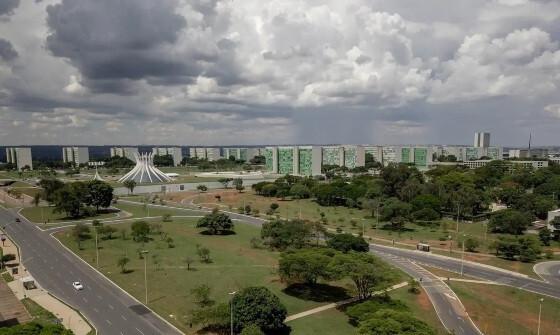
x,y
41,214
421,307
38,313
331,321
234,265
502,310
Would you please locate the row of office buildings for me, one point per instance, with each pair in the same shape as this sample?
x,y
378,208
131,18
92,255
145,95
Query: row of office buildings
x,y
309,160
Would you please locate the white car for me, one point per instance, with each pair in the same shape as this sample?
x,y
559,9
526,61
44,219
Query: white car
x,y
77,285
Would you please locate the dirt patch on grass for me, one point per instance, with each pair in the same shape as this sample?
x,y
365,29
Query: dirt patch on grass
x,y
423,301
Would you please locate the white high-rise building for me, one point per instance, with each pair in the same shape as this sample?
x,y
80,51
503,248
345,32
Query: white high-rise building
x,y
76,155
128,152
21,157
481,140
211,154
174,152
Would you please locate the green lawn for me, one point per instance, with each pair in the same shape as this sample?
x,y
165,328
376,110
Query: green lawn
x,y
331,321
141,210
38,313
421,307
234,265
503,310
41,214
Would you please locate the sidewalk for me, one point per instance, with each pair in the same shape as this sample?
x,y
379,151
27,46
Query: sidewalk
x,y
70,318
338,304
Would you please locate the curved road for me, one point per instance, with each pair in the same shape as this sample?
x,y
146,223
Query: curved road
x,y
472,269
549,271
111,311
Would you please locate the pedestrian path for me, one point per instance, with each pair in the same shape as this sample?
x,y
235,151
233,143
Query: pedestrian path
x,y
338,304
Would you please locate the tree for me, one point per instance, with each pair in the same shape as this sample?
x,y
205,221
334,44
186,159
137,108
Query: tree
x,y
100,194
216,316
34,328
50,186
107,232
225,181
140,231
37,199
238,184
203,253
348,242
393,207
391,322
258,306
274,206
202,295
300,191
363,269
280,234
216,223
305,265
202,188
80,232
471,244
252,329
69,199
545,236
509,221
130,185
188,260
122,262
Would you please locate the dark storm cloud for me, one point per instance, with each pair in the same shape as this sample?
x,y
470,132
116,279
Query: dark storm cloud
x,y
7,7
7,51
111,40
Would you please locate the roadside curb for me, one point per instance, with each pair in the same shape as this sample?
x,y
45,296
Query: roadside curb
x,y
459,260
538,274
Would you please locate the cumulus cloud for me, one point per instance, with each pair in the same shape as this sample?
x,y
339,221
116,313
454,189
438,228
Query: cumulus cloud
x,y
553,110
7,7
7,51
209,70
515,65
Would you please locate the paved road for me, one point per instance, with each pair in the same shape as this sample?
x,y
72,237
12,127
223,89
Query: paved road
x,y
473,270
111,310
549,271
449,308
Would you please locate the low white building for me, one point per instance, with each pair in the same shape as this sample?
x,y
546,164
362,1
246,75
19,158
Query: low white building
x,y
551,215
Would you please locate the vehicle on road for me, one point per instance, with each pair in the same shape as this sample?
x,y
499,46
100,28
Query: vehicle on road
x,y
18,220
78,286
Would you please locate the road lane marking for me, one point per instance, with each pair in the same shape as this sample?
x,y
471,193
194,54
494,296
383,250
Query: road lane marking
x,y
122,316
84,299
109,322
95,310
111,306
139,331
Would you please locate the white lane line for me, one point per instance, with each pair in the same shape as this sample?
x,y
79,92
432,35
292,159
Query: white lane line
x,y
139,331
111,306
95,310
109,322
99,297
84,299
122,316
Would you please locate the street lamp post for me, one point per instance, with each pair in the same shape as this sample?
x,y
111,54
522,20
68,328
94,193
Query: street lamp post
x,y
463,256
231,311
540,311
96,249
144,252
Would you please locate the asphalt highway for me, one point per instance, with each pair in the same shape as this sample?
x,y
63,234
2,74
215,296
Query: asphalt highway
x,y
111,311
479,271
449,308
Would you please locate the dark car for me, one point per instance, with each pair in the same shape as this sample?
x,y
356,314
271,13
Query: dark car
x,y
18,220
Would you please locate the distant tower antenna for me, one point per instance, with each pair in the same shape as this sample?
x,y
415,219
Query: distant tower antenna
x,y
529,153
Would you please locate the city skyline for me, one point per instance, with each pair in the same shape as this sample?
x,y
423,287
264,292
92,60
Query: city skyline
x,y
368,72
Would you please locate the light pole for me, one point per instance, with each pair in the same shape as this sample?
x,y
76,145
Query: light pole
x,y
540,311
96,249
231,311
463,255
458,208
144,252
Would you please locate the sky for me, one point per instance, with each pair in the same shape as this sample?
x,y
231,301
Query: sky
x,y
224,72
